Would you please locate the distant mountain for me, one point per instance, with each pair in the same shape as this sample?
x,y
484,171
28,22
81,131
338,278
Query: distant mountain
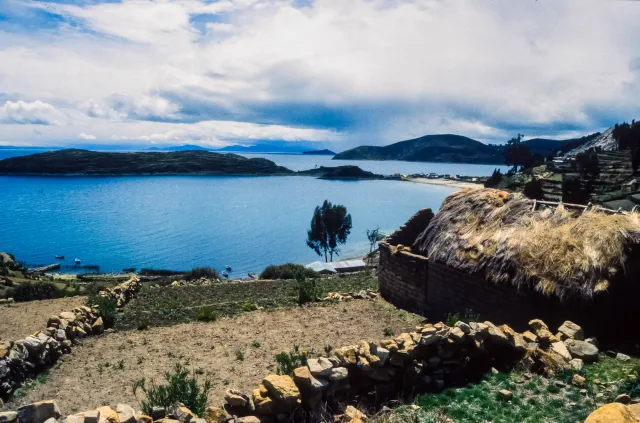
x,y
268,147
324,152
185,147
603,140
545,147
85,162
430,148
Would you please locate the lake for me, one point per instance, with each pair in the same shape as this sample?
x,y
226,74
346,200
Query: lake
x,y
180,222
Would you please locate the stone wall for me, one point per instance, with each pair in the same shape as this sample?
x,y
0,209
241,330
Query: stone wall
x,y
24,359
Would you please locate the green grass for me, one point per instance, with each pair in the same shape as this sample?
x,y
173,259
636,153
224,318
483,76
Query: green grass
x,y
29,386
179,304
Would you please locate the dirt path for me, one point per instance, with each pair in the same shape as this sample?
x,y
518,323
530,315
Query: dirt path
x,y
446,182
22,319
92,375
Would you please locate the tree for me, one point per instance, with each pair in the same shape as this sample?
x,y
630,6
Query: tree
x,y
330,227
517,154
494,180
533,189
374,236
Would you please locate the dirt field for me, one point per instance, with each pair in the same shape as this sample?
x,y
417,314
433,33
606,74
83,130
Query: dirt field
x,y
22,319
102,370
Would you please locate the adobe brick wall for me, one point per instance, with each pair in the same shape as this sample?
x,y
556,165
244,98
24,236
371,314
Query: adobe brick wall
x,y
402,278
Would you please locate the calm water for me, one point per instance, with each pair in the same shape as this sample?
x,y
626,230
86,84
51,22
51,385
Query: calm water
x,y
183,222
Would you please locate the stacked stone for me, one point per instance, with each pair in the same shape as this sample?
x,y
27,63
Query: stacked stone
x,y
24,359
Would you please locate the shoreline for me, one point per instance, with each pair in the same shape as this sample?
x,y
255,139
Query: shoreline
x,y
446,182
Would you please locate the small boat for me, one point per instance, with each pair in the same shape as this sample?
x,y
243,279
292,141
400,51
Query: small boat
x,y
253,275
225,274
59,257
228,268
77,261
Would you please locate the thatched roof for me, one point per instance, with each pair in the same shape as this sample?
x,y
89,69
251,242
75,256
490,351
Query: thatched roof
x,y
555,251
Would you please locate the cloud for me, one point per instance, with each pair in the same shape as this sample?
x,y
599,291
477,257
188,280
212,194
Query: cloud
x,y
35,113
357,72
84,136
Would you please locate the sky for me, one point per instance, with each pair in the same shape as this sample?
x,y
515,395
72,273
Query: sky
x,y
332,73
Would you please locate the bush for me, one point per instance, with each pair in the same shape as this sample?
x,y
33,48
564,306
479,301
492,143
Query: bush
x,y
35,291
181,387
159,272
206,314
533,189
107,308
287,271
494,179
288,362
307,291
201,272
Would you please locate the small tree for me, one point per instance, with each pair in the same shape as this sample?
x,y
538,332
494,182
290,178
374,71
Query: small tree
x,y
494,179
517,154
330,227
374,236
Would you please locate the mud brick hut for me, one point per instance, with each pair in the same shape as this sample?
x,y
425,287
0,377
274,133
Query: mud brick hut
x,y
498,255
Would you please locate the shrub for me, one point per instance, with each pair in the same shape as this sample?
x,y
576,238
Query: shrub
x,y
307,291
107,308
35,291
159,272
206,314
287,271
201,272
180,387
288,362
247,306
494,179
533,189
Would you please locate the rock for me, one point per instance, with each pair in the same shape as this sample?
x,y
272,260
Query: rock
x,y
353,415
8,417
612,413
463,327
623,399
319,367
593,341
583,350
347,355
561,349
68,316
98,326
577,364
496,336
338,373
5,347
635,409
389,344
456,334
198,420
158,413
143,418
33,344
93,416
51,420
108,415
578,381
216,415
74,418
537,324
622,357
282,389
126,414
182,413
571,331
262,402
545,337
248,419
235,399
516,340
406,346
38,412
306,382
383,354
505,395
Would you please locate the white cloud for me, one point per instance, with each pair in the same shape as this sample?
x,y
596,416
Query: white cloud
x,y
35,112
84,136
378,70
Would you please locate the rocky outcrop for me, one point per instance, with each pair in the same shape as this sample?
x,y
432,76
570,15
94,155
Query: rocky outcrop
x,y
612,413
23,359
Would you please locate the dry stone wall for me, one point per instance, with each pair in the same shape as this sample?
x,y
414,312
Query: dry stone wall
x,y
23,359
433,357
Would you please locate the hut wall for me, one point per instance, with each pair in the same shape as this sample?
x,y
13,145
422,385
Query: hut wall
x,y
402,278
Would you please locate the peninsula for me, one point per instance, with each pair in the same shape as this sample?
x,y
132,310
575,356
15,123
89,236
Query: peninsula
x,y
191,162
324,152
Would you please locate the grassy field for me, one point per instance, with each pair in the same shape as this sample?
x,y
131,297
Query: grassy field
x,y
180,304
536,399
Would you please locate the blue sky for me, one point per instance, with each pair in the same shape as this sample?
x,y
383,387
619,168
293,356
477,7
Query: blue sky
x,y
332,72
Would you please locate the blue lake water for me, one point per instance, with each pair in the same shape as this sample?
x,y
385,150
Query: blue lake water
x,y
183,222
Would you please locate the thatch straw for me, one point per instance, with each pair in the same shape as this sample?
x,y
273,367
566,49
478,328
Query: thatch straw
x,y
554,251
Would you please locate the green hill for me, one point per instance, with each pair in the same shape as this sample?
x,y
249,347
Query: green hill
x,y
430,148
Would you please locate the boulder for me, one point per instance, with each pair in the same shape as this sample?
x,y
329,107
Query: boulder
x,y
463,327
33,344
74,418
126,414
282,389
583,350
182,413
98,326
8,417
622,357
38,412
93,416
68,316
262,402
236,399
529,337
623,399
561,349
635,409
537,324
347,355
338,373
612,413
577,364
353,415
571,331
306,382
108,415
505,395
320,367
516,340
496,335
216,415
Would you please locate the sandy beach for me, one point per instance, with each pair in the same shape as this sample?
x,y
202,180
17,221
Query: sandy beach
x,y
446,182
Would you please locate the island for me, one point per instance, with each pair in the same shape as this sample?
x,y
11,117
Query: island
x,y
190,162
340,173
430,148
324,152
